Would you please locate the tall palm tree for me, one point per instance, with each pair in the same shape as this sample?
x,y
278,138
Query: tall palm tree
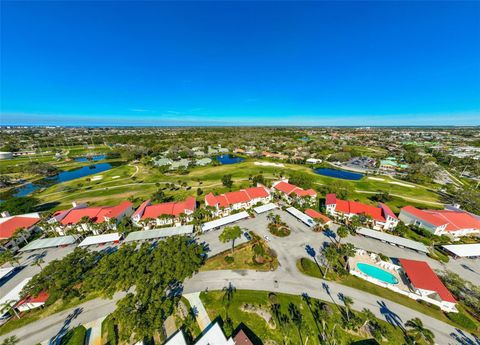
x,y
228,294
39,263
331,255
347,301
9,305
417,332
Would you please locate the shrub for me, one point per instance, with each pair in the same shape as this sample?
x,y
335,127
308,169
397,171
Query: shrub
x,y
429,304
462,320
75,337
229,259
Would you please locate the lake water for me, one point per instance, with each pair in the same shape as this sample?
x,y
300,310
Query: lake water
x,y
90,159
342,174
64,176
228,159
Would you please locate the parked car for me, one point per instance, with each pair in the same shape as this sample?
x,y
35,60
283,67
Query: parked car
x,y
247,236
266,238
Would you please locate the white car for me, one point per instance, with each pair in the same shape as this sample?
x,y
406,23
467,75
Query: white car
x,y
266,238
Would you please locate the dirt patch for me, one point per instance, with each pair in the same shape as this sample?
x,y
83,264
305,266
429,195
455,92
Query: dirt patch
x,y
263,313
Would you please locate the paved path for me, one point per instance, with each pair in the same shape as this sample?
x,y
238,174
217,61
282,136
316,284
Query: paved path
x,y
94,331
200,313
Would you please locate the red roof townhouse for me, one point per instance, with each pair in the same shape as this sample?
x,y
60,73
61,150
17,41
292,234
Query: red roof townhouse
x,y
97,215
292,193
10,224
442,222
242,199
426,283
323,219
382,216
165,213
31,302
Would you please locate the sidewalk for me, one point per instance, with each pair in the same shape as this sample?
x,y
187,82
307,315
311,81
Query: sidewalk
x,y
201,314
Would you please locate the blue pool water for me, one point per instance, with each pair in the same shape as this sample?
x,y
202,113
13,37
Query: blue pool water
x,y
91,158
377,273
64,176
228,159
346,175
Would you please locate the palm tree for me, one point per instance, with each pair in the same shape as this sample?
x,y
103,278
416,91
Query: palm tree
x,y
347,250
331,255
39,262
342,232
10,340
7,306
228,294
369,316
347,301
417,332
22,233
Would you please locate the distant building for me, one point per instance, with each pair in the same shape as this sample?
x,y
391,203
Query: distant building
x,y
390,164
165,213
162,161
203,161
182,163
292,193
382,216
313,161
242,199
73,217
6,155
274,155
442,222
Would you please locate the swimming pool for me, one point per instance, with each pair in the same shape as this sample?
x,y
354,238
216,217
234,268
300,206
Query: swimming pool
x,y
377,273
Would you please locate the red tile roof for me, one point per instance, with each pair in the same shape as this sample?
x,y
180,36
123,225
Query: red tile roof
x,y
8,227
41,298
242,339
317,215
353,207
455,220
96,214
289,188
139,211
423,277
169,208
241,196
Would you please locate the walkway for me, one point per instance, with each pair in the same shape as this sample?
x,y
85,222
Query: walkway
x,y
200,313
94,331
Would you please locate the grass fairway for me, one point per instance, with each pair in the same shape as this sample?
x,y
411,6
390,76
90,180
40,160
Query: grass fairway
x,y
308,267
148,179
286,332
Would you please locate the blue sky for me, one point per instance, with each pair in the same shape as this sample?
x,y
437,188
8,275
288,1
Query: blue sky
x,y
232,63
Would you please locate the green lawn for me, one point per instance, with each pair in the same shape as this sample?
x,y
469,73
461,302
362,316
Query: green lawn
x,y
285,332
308,267
243,260
75,336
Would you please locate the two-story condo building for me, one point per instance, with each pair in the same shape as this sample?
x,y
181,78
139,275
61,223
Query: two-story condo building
x,y
242,199
166,213
442,222
292,193
11,224
73,217
382,216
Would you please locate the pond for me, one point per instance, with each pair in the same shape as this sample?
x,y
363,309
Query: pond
x,y
90,158
64,176
345,175
228,159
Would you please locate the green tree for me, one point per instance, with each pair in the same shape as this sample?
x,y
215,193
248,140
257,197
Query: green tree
x,y
342,232
417,332
230,234
347,250
19,205
331,256
347,302
227,181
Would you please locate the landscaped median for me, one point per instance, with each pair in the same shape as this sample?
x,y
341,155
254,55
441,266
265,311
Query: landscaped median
x,y
253,255
310,268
